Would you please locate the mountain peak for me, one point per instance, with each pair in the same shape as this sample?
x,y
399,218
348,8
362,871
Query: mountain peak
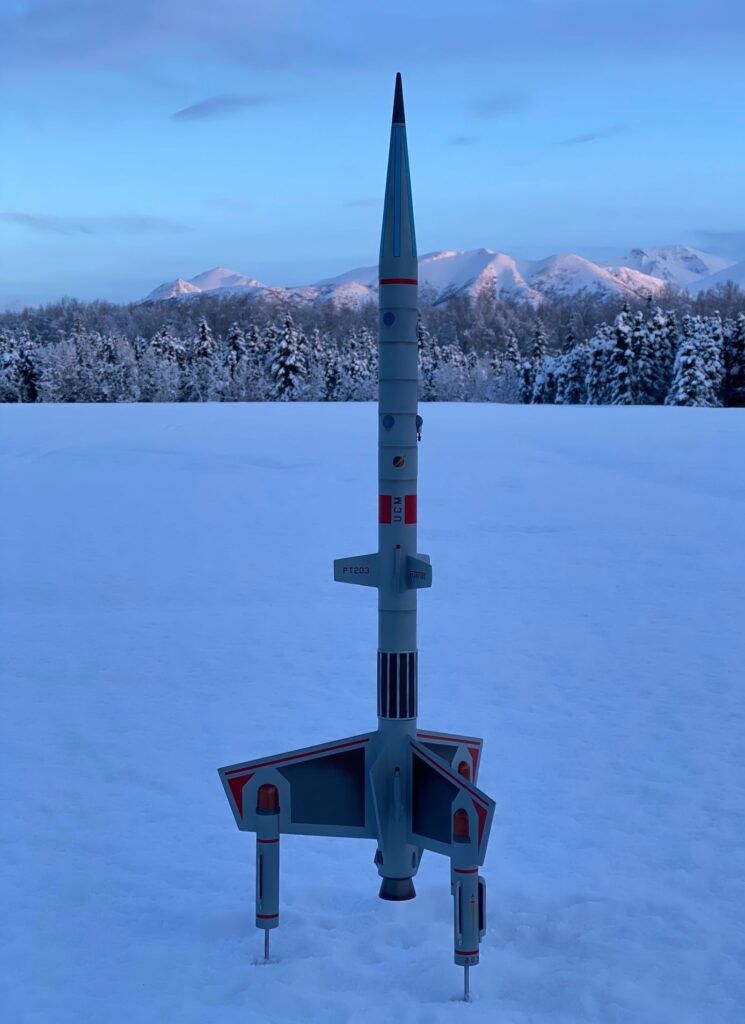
x,y
447,273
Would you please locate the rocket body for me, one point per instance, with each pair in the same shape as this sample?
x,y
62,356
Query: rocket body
x,y
409,789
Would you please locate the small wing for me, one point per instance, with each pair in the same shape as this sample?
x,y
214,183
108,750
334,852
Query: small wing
x,y
454,749
437,792
323,790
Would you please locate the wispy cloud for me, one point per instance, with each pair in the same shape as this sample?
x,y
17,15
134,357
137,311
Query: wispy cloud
x,y
463,140
217,106
500,103
585,137
55,225
729,242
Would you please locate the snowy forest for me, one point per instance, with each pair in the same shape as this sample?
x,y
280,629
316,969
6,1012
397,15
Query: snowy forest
x,y
585,350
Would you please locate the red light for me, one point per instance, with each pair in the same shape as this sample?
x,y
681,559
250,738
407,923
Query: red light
x,y
268,800
460,825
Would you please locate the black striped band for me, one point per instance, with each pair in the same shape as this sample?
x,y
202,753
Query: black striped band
x,y
397,684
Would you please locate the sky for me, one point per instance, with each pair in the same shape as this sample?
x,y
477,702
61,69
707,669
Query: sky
x,y
154,139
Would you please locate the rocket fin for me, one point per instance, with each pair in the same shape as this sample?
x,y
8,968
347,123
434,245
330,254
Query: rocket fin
x,y
437,792
454,747
360,569
323,789
418,572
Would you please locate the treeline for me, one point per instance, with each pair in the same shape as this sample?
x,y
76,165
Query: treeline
x,y
690,353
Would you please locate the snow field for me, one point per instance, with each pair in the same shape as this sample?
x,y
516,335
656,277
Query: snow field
x,y
168,607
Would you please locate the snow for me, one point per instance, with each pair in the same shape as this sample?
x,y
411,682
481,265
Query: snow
x,y
168,607
680,265
445,274
734,273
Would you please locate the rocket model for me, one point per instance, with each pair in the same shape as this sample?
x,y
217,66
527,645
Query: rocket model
x,y
407,788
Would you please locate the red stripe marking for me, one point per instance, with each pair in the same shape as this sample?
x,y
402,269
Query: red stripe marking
x,y
474,752
481,811
409,508
447,737
398,280
466,952
267,840
266,917
294,757
236,788
465,871
384,508
456,778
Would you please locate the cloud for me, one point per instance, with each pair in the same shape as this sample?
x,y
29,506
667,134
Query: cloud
x,y
55,225
297,34
463,140
728,242
217,106
601,133
499,104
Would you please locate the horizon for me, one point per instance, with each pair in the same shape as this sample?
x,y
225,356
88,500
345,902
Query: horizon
x,y
152,141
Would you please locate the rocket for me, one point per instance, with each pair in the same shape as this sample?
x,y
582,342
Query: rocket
x,y
407,788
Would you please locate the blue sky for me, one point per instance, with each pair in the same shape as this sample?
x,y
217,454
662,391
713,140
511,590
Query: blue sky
x,y
152,139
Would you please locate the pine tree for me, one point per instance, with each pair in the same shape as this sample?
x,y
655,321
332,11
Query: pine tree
x,y
26,368
621,368
288,367
690,385
545,382
512,355
571,376
10,388
712,336
644,370
734,363
662,331
599,367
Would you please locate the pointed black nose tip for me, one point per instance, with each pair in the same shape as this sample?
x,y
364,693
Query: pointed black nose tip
x,y
398,102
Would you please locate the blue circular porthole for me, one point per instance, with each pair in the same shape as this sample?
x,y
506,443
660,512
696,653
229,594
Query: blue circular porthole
x,y
389,318
388,421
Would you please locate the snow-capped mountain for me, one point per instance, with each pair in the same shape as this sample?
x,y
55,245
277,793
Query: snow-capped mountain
x,y
444,275
677,264
735,273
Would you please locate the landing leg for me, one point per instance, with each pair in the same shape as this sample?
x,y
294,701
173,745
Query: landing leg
x,y
466,984
266,945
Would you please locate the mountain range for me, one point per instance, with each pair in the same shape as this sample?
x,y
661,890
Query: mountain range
x,y
444,275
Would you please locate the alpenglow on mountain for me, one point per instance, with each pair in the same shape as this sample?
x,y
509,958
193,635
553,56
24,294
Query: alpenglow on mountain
x,y
445,275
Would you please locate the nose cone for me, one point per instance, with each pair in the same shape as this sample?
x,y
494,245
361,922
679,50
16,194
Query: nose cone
x,y
398,242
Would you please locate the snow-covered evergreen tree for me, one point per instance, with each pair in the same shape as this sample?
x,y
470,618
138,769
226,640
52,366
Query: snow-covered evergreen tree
x,y
288,367
644,368
733,389
545,382
571,376
512,352
599,367
662,331
691,384
622,361
711,335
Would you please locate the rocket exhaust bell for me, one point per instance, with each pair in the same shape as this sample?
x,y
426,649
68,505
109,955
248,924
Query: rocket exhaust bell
x,y
408,789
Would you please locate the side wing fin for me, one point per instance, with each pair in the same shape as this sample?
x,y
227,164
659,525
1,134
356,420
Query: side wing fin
x,y
454,749
437,793
323,790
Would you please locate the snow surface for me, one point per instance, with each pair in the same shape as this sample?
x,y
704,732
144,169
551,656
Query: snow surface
x,y
168,607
